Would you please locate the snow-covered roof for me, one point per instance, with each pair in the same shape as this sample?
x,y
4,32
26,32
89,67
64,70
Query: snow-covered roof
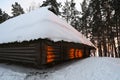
x,y
40,23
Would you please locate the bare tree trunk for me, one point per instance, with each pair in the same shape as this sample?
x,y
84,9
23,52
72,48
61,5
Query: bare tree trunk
x,y
115,49
108,49
119,50
112,52
99,49
117,35
104,48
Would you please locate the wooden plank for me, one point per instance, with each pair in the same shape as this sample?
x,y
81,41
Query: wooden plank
x,y
18,54
18,57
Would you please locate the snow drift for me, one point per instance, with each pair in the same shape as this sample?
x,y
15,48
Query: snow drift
x,y
87,69
40,23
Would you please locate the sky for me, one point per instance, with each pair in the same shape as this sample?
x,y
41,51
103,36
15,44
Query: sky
x,y
6,4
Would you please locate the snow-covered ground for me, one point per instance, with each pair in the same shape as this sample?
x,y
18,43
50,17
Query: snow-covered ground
x,y
87,69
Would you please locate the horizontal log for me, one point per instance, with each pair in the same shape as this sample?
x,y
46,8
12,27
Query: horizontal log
x,y
18,57
15,51
19,48
17,60
18,54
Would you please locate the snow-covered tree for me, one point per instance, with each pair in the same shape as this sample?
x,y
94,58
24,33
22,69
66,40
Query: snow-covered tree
x,y
0,16
17,9
70,13
33,6
3,16
54,6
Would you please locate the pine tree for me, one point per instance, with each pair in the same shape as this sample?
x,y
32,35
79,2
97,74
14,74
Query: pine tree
x,y
103,17
71,14
3,16
54,6
17,9
116,7
85,19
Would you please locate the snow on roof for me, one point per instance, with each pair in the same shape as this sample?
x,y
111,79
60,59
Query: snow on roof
x,y
86,69
40,23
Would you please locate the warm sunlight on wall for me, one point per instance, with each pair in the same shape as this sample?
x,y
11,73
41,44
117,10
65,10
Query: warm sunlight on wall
x,y
71,53
75,53
50,54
